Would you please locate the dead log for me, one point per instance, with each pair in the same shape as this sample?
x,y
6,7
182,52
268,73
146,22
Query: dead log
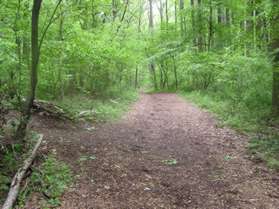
x,y
19,176
50,109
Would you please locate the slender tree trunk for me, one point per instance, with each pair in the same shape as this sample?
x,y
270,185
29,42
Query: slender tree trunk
x,y
152,67
220,15
61,38
274,48
228,25
265,32
245,32
136,77
13,91
151,23
210,24
200,26
167,14
182,19
161,76
113,10
140,15
21,130
175,14
193,19
161,11
254,25
175,73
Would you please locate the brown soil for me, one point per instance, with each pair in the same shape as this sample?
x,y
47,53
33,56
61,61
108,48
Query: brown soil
x,y
213,170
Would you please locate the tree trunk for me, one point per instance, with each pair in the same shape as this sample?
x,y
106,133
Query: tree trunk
x,y
161,11
113,10
151,28
210,29
182,19
151,23
175,14
26,114
200,26
141,10
254,25
136,77
153,73
274,48
167,14
193,19
175,73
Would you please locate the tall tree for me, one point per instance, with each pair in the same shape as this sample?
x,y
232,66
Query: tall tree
x,y
210,25
182,18
151,28
21,130
275,53
200,26
36,45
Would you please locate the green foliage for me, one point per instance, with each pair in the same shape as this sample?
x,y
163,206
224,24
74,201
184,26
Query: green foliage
x,y
9,162
238,117
240,91
83,52
94,53
198,71
266,149
89,62
98,109
51,179
170,162
86,158
4,186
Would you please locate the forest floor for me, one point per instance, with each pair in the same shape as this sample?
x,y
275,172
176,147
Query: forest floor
x,y
164,153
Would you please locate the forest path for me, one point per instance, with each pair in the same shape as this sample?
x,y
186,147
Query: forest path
x,y
165,153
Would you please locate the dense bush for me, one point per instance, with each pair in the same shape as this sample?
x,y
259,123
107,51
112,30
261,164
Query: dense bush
x,y
239,89
230,76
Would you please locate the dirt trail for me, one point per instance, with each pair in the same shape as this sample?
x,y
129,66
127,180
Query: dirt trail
x,y
212,169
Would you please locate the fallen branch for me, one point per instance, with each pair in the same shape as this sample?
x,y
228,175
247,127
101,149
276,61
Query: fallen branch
x,y
50,109
15,185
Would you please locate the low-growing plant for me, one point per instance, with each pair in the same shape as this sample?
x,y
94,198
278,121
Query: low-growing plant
x,y
267,150
51,180
98,109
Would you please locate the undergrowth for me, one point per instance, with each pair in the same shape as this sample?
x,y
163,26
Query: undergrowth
x,y
246,120
266,149
10,160
98,109
237,116
50,180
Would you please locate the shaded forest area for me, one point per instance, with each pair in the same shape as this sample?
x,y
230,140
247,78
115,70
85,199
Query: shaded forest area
x,y
90,58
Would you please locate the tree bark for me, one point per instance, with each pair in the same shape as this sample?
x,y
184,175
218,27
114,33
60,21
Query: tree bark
x,y
200,26
21,130
175,73
151,28
210,29
193,19
136,77
151,23
275,52
113,10
182,18
167,14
